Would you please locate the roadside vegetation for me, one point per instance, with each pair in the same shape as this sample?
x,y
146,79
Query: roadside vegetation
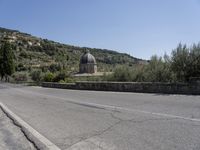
x,y
181,66
30,59
32,53
6,61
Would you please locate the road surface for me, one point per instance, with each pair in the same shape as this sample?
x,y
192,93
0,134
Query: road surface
x,y
11,136
92,120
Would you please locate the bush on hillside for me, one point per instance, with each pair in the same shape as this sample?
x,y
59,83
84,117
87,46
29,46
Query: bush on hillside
x,y
20,76
36,75
158,70
185,62
60,76
48,77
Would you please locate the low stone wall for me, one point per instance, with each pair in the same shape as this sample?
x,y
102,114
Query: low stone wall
x,y
165,88
59,85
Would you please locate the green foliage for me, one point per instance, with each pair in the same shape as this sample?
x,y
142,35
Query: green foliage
x,y
2,72
7,67
180,62
185,62
24,54
36,75
55,67
139,74
21,67
43,52
48,77
67,80
44,56
60,76
20,76
195,61
158,70
121,74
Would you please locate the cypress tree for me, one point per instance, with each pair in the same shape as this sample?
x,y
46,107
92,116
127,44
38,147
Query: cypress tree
x,y
6,61
2,73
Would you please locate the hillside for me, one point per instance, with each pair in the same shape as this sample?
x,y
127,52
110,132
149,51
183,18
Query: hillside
x,y
33,52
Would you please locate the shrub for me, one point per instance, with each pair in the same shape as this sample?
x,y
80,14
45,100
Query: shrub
x,y
24,54
48,77
185,62
120,74
55,67
180,62
139,74
20,76
69,80
36,75
158,70
60,76
7,65
21,67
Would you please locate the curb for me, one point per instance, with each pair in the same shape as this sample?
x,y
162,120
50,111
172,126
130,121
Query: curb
x,y
38,140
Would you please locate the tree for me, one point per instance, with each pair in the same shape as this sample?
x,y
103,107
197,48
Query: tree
x,y
158,70
7,66
186,62
48,77
122,74
2,71
194,68
180,62
60,76
36,75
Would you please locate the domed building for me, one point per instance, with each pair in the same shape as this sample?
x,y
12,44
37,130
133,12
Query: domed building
x,y
87,63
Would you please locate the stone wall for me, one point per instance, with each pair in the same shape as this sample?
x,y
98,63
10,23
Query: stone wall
x,y
165,88
59,85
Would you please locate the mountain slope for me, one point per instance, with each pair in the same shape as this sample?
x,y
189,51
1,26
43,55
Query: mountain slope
x,y
31,51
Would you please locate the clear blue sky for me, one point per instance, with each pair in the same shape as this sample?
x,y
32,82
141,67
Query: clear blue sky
x,y
137,27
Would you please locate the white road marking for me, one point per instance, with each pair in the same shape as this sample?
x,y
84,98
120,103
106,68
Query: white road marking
x,y
31,133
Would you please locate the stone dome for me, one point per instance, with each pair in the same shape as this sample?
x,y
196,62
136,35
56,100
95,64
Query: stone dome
x,y
87,58
87,63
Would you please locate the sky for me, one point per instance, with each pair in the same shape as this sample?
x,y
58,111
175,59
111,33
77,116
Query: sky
x,y
141,28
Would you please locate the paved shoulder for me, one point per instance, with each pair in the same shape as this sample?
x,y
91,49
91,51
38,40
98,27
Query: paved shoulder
x,y
11,137
92,120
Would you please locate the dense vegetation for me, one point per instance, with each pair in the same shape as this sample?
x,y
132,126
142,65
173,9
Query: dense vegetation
x,y
32,52
182,66
39,60
6,61
34,56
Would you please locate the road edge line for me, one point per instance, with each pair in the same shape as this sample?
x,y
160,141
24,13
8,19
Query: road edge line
x,y
39,141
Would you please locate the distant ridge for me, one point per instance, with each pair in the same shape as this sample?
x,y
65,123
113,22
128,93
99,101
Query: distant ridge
x,y
36,52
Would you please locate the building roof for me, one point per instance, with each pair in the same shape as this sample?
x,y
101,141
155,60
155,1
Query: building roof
x,y
87,58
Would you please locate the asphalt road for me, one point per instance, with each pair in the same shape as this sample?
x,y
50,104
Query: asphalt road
x,y
91,120
11,136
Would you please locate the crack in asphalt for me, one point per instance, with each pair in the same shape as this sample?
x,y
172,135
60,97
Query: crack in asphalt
x,y
94,135
112,110
115,108
99,145
119,121
21,129
87,105
97,134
